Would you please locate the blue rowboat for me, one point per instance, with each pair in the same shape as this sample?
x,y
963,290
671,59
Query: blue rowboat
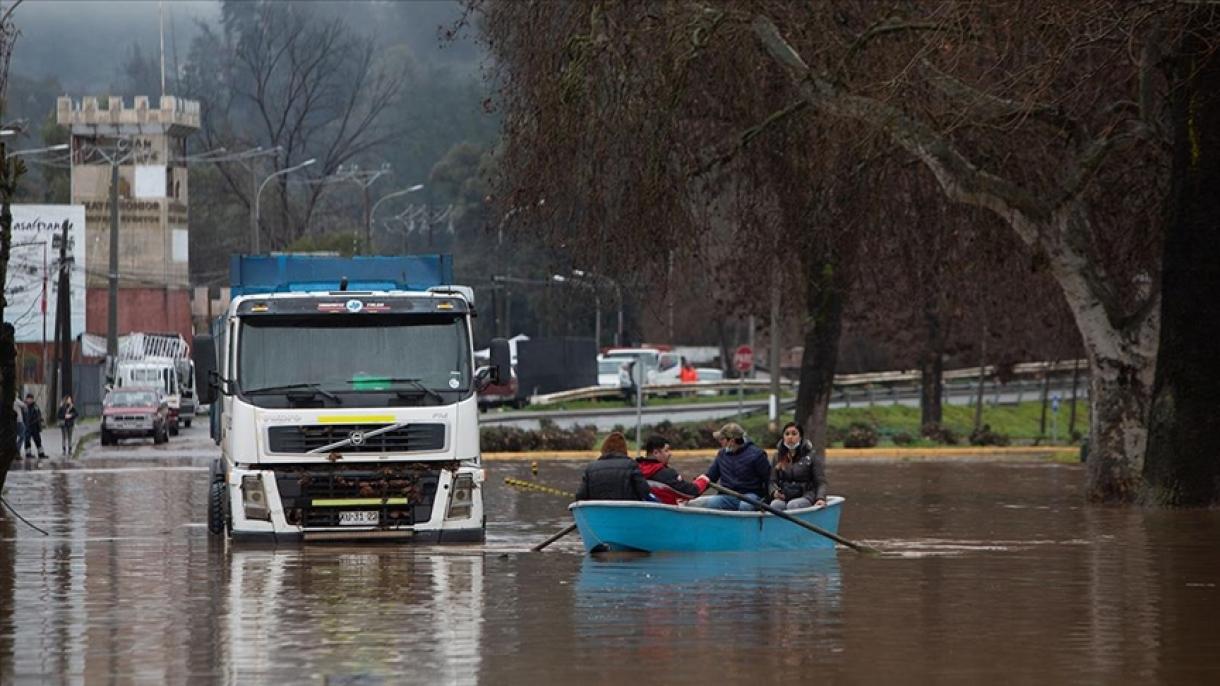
x,y
654,527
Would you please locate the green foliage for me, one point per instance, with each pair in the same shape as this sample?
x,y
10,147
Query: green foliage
x,y
547,437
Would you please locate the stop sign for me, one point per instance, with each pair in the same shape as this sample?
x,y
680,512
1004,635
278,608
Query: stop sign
x,y
743,359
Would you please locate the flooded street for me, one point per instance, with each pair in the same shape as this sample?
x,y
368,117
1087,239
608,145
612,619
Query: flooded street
x,y
993,571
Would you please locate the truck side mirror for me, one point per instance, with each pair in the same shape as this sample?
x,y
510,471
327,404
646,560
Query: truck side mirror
x,y
501,361
203,352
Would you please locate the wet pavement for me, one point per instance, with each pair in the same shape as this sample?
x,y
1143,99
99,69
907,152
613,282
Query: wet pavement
x,y
994,571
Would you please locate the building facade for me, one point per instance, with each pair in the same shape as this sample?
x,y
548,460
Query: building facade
x,y
149,147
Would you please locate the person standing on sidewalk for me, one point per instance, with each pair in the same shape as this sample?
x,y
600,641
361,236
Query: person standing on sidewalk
x,y
67,422
19,408
33,426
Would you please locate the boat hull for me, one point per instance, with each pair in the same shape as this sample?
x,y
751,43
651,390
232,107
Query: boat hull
x,y
654,527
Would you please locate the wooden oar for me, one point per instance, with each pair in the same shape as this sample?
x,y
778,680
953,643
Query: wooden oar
x,y
566,530
530,485
858,547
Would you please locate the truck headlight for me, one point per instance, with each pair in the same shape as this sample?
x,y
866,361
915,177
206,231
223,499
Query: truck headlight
x,y
461,497
254,499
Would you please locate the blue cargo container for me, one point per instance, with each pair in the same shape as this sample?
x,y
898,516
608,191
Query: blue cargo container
x,y
300,273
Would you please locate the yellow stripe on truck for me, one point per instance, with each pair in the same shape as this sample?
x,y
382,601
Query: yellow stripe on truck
x,y
356,419
355,502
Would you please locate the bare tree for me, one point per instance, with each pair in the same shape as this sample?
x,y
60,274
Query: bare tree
x,y
277,75
1051,209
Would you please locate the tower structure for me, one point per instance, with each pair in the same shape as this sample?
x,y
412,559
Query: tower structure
x,y
148,145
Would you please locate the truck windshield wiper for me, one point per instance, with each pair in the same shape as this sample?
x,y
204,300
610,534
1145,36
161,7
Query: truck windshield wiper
x,y
295,387
414,383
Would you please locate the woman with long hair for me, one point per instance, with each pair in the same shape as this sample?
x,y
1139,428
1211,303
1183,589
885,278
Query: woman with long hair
x,y
798,475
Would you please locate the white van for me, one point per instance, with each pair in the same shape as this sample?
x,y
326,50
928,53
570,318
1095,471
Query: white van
x,y
160,374
660,367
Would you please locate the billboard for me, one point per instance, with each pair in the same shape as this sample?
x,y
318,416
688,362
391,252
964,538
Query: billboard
x,y
33,270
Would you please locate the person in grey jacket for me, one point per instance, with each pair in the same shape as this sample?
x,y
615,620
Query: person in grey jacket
x,y
798,475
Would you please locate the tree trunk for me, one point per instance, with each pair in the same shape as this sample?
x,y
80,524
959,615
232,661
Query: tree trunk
x,y
931,371
1075,388
1182,463
823,323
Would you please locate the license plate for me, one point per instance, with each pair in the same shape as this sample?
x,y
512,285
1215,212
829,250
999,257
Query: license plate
x,y
359,518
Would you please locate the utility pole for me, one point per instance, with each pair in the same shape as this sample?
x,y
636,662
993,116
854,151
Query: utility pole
x,y
61,382
773,357
112,312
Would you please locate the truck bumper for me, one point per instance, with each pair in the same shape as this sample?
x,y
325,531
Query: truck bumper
x,y
408,502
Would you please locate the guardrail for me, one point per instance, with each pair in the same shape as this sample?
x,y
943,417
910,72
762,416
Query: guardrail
x,y
866,380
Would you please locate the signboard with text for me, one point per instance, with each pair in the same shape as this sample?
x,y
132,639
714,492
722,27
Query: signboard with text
x,y
37,233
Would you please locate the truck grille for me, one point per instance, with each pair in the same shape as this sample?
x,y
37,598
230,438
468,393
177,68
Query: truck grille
x,y
299,486
408,438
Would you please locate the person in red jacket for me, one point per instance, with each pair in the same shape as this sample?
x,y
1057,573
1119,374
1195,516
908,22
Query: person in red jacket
x,y
666,484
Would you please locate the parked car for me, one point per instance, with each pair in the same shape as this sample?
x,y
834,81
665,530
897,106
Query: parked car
x,y
133,412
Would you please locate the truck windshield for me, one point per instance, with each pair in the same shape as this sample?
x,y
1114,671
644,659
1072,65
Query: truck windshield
x,y
358,353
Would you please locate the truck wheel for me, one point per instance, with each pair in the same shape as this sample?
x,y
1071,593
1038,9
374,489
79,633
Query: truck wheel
x,y
188,423
159,436
173,429
216,507
107,439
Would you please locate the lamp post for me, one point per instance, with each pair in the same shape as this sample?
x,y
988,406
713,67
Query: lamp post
x,y
258,196
372,218
618,293
35,151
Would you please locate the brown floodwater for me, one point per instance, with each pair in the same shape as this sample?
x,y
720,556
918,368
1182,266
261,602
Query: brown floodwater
x,y
993,571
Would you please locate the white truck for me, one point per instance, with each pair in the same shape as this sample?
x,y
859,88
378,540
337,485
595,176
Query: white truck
x,y
344,412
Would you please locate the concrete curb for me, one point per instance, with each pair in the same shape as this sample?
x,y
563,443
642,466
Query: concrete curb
x,y
940,453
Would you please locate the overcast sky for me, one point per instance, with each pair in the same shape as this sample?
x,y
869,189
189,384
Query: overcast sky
x,y
83,42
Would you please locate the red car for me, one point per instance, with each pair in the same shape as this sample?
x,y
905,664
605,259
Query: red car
x,y
135,413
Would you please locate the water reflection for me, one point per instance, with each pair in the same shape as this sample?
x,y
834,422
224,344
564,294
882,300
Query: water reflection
x,y
662,609
372,614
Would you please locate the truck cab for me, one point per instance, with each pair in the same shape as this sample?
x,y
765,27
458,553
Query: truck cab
x,y
346,414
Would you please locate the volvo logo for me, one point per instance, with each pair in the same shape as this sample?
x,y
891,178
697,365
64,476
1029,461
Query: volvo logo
x,y
356,437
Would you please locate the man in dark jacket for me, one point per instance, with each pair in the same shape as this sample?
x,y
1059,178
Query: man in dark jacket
x,y
741,466
614,476
32,418
666,483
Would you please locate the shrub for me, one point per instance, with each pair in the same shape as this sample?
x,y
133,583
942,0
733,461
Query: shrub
x,y
835,434
903,438
548,437
985,436
938,433
860,435
685,437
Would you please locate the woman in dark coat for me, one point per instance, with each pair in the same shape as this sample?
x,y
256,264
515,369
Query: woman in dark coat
x,y
798,476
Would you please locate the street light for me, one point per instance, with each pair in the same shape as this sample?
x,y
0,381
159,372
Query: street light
x,y
259,195
373,212
35,151
618,292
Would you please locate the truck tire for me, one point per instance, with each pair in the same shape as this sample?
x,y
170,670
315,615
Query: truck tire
x,y
216,508
173,429
159,436
188,422
107,439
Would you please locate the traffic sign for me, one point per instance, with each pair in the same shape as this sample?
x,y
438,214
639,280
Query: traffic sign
x,y
743,359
